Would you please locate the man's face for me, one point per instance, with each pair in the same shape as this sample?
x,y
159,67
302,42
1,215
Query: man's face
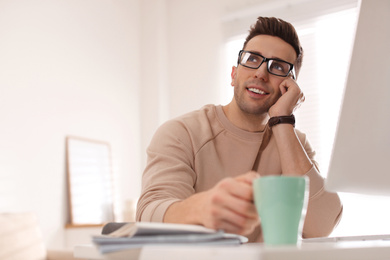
x,y
256,90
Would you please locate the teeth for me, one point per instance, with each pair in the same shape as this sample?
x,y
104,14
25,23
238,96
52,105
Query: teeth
x,y
258,91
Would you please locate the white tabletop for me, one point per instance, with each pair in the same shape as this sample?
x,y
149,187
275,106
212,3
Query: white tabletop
x,y
357,250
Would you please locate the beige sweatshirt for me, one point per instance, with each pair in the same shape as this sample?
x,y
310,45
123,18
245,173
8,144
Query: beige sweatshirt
x,y
192,153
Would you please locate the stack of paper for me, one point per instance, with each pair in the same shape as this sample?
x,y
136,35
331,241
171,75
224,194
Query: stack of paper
x,y
138,234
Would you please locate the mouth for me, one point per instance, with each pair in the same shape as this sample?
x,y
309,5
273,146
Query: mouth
x,y
257,91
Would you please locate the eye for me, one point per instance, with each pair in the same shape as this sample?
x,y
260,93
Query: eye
x,y
279,67
251,60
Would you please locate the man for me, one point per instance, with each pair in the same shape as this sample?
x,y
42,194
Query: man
x,y
201,165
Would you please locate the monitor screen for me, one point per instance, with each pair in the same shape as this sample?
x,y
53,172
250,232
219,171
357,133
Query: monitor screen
x,y
360,160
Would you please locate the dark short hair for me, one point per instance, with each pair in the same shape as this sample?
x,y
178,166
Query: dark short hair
x,y
279,28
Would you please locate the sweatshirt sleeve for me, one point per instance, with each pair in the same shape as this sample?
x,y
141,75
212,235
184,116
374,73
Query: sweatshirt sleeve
x,y
169,175
324,208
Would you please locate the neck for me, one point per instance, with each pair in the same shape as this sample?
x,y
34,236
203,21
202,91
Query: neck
x,y
243,120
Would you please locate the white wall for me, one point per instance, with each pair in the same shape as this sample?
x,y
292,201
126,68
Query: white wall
x,y
67,67
106,70
195,40
180,57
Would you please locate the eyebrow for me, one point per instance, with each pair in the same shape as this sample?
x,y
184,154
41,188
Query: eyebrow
x,y
273,57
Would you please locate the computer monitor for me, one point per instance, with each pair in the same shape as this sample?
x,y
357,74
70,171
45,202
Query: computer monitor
x,y
360,160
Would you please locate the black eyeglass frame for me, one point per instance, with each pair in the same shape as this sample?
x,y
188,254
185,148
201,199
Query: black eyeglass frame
x,y
291,70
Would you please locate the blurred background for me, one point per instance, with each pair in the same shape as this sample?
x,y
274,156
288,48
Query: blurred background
x,y
114,70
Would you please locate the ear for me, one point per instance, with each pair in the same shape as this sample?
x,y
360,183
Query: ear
x,y
233,75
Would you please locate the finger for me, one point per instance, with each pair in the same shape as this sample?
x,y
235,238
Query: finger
x,y
248,177
242,191
229,227
240,186
286,85
235,196
283,87
235,223
243,207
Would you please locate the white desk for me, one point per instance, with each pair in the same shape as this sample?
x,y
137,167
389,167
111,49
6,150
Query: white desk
x,y
362,250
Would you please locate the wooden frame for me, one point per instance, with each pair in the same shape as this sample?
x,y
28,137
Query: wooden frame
x,y
90,182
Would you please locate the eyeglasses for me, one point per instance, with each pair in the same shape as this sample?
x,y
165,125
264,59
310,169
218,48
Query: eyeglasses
x,y
274,66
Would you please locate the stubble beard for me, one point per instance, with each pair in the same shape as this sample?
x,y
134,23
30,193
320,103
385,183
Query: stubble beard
x,y
258,109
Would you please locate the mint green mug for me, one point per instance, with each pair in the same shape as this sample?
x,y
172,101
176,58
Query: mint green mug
x,y
281,203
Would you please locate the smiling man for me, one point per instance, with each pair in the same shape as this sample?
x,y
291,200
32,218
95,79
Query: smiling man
x,y
201,165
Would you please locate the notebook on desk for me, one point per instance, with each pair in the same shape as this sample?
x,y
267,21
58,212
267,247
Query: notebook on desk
x,y
140,234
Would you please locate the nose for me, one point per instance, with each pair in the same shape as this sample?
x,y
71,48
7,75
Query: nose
x,y
262,72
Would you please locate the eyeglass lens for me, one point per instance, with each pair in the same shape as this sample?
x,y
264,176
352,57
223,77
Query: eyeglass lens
x,y
274,66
